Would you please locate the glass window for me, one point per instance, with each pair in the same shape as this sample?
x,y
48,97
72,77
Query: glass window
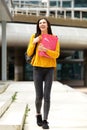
x,y
52,3
28,71
66,4
70,71
80,3
67,70
84,14
11,64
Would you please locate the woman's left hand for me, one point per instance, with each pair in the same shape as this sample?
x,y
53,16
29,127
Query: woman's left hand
x,y
42,48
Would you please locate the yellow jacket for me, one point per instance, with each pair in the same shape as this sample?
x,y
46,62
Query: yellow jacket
x,y
41,61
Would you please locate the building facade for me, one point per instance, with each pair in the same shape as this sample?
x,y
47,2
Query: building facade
x,y
55,8
70,65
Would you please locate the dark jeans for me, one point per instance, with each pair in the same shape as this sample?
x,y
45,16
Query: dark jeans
x,y
43,76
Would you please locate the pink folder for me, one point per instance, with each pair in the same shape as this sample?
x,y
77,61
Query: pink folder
x,y
49,41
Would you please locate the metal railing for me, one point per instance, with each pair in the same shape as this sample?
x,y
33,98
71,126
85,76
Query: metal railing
x,y
42,9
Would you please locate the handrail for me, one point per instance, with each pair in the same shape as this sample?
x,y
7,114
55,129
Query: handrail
x,y
38,9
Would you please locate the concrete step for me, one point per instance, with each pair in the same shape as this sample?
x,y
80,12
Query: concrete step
x,y
13,118
3,87
5,101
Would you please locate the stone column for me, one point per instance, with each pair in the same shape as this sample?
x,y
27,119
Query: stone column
x,y
0,63
85,68
47,14
55,74
72,5
18,70
65,14
4,52
80,15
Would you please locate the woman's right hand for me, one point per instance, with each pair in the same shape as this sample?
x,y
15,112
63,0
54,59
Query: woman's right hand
x,y
37,39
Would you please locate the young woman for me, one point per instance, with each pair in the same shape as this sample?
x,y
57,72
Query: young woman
x,y
43,70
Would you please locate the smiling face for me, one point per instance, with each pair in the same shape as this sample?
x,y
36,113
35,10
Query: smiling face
x,y
43,26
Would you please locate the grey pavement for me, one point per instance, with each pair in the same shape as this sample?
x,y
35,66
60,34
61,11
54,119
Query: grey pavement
x,y
68,106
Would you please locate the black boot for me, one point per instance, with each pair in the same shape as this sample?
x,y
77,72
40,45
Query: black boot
x,y
45,125
39,120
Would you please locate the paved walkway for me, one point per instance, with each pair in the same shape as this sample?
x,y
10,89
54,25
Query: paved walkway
x,y
82,89
68,106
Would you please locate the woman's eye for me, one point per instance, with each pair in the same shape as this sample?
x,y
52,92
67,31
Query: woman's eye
x,y
42,23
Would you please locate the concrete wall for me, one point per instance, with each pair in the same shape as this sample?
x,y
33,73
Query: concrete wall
x,y
70,37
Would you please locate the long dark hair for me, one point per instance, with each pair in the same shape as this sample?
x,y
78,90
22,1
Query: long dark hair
x,y
38,31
